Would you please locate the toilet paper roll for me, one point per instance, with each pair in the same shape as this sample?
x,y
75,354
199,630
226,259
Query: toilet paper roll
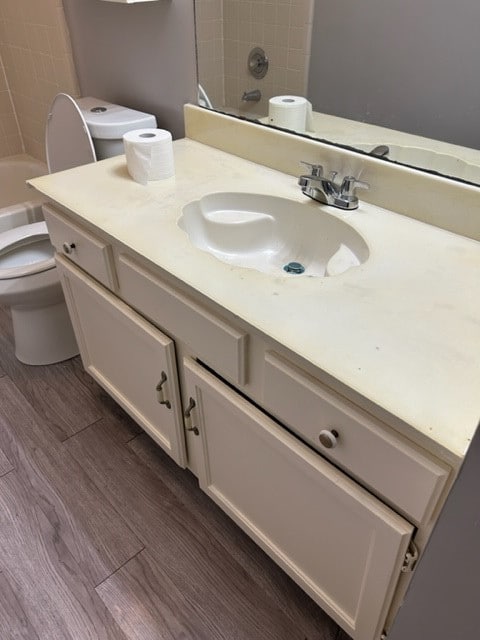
x,y
290,112
149,154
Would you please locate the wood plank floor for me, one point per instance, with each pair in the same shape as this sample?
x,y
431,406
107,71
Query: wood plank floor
x,y
102,536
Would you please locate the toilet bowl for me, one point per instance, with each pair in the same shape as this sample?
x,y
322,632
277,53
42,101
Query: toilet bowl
x,y
29,281
29,284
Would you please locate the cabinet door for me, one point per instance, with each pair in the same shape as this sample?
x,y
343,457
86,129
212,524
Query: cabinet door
x,y
338,542
131,359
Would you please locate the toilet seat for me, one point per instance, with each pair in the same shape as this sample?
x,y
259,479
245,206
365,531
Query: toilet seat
x,y
67,139
33,241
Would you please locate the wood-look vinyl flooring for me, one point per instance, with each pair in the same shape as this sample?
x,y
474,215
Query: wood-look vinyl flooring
x,y
102,536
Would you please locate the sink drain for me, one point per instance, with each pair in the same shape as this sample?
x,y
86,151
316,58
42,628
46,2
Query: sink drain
x,y
294,267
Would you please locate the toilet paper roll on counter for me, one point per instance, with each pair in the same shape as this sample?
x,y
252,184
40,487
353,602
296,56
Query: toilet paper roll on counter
x,y
290,112
149,154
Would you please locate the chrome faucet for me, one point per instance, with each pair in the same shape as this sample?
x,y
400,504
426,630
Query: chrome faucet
x,y
324,189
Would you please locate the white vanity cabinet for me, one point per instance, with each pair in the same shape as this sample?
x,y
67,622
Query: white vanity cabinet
x,y
340,514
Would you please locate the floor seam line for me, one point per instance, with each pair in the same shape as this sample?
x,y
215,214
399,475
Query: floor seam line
x,y
82,430
120,567
134,437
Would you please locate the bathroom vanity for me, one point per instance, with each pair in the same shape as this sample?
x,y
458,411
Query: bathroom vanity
x,y
328,416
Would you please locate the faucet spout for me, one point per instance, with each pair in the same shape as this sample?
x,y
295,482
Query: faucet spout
x,y
252,96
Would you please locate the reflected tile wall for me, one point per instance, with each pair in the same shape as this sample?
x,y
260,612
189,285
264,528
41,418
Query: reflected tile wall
x,y
10,139
210,50
281,27
36,53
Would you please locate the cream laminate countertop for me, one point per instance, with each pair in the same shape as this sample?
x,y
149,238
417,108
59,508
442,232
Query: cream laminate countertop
x,y
401,330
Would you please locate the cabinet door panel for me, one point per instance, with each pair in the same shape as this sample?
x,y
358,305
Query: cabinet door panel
x,y
342,545
127,356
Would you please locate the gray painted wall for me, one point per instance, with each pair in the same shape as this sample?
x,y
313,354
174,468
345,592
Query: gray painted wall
x,y
443,601
411,65
138,55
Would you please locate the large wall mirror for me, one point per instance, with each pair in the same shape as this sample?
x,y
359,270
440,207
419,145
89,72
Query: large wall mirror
x,y
399,79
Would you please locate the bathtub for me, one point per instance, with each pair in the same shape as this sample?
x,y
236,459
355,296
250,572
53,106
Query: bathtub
x,y
19,204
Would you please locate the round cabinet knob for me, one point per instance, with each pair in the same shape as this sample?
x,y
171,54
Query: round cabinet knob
x,y
328,439
68,247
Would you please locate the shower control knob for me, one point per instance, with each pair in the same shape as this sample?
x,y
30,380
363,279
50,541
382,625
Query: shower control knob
x,y
328,439
68,247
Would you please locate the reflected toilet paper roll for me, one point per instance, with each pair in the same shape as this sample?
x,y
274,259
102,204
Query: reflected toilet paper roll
x,y
290,112
149,154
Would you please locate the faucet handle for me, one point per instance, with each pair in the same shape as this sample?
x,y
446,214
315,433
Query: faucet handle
x,y
350,183
316,169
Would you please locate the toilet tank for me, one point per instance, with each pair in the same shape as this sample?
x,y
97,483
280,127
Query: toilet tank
x,y
108,122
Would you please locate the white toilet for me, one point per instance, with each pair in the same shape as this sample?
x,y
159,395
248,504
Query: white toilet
x,y
77,132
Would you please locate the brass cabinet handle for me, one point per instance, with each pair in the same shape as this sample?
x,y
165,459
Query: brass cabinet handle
x,y
161,391
188,417
189,409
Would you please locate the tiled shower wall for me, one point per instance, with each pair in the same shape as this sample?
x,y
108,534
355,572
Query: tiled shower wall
x,y
36,55
281,27
10,139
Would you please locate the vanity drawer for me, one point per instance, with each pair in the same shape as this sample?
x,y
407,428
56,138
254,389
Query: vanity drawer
x,y
214,341
80,247
390,466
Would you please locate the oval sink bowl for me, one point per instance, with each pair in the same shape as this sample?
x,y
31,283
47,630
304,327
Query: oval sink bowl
x,y
267,233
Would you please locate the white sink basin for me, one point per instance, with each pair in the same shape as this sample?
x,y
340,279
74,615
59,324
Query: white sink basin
x,y
267,233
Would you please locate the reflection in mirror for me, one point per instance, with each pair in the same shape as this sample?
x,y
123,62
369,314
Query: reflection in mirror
x,y
397,75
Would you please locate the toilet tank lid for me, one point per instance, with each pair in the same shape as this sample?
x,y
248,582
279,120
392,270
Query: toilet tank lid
x,y
109,121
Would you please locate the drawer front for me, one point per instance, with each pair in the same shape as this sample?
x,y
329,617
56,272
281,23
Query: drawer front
x,y
214,341
396,471
342,545
80,247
